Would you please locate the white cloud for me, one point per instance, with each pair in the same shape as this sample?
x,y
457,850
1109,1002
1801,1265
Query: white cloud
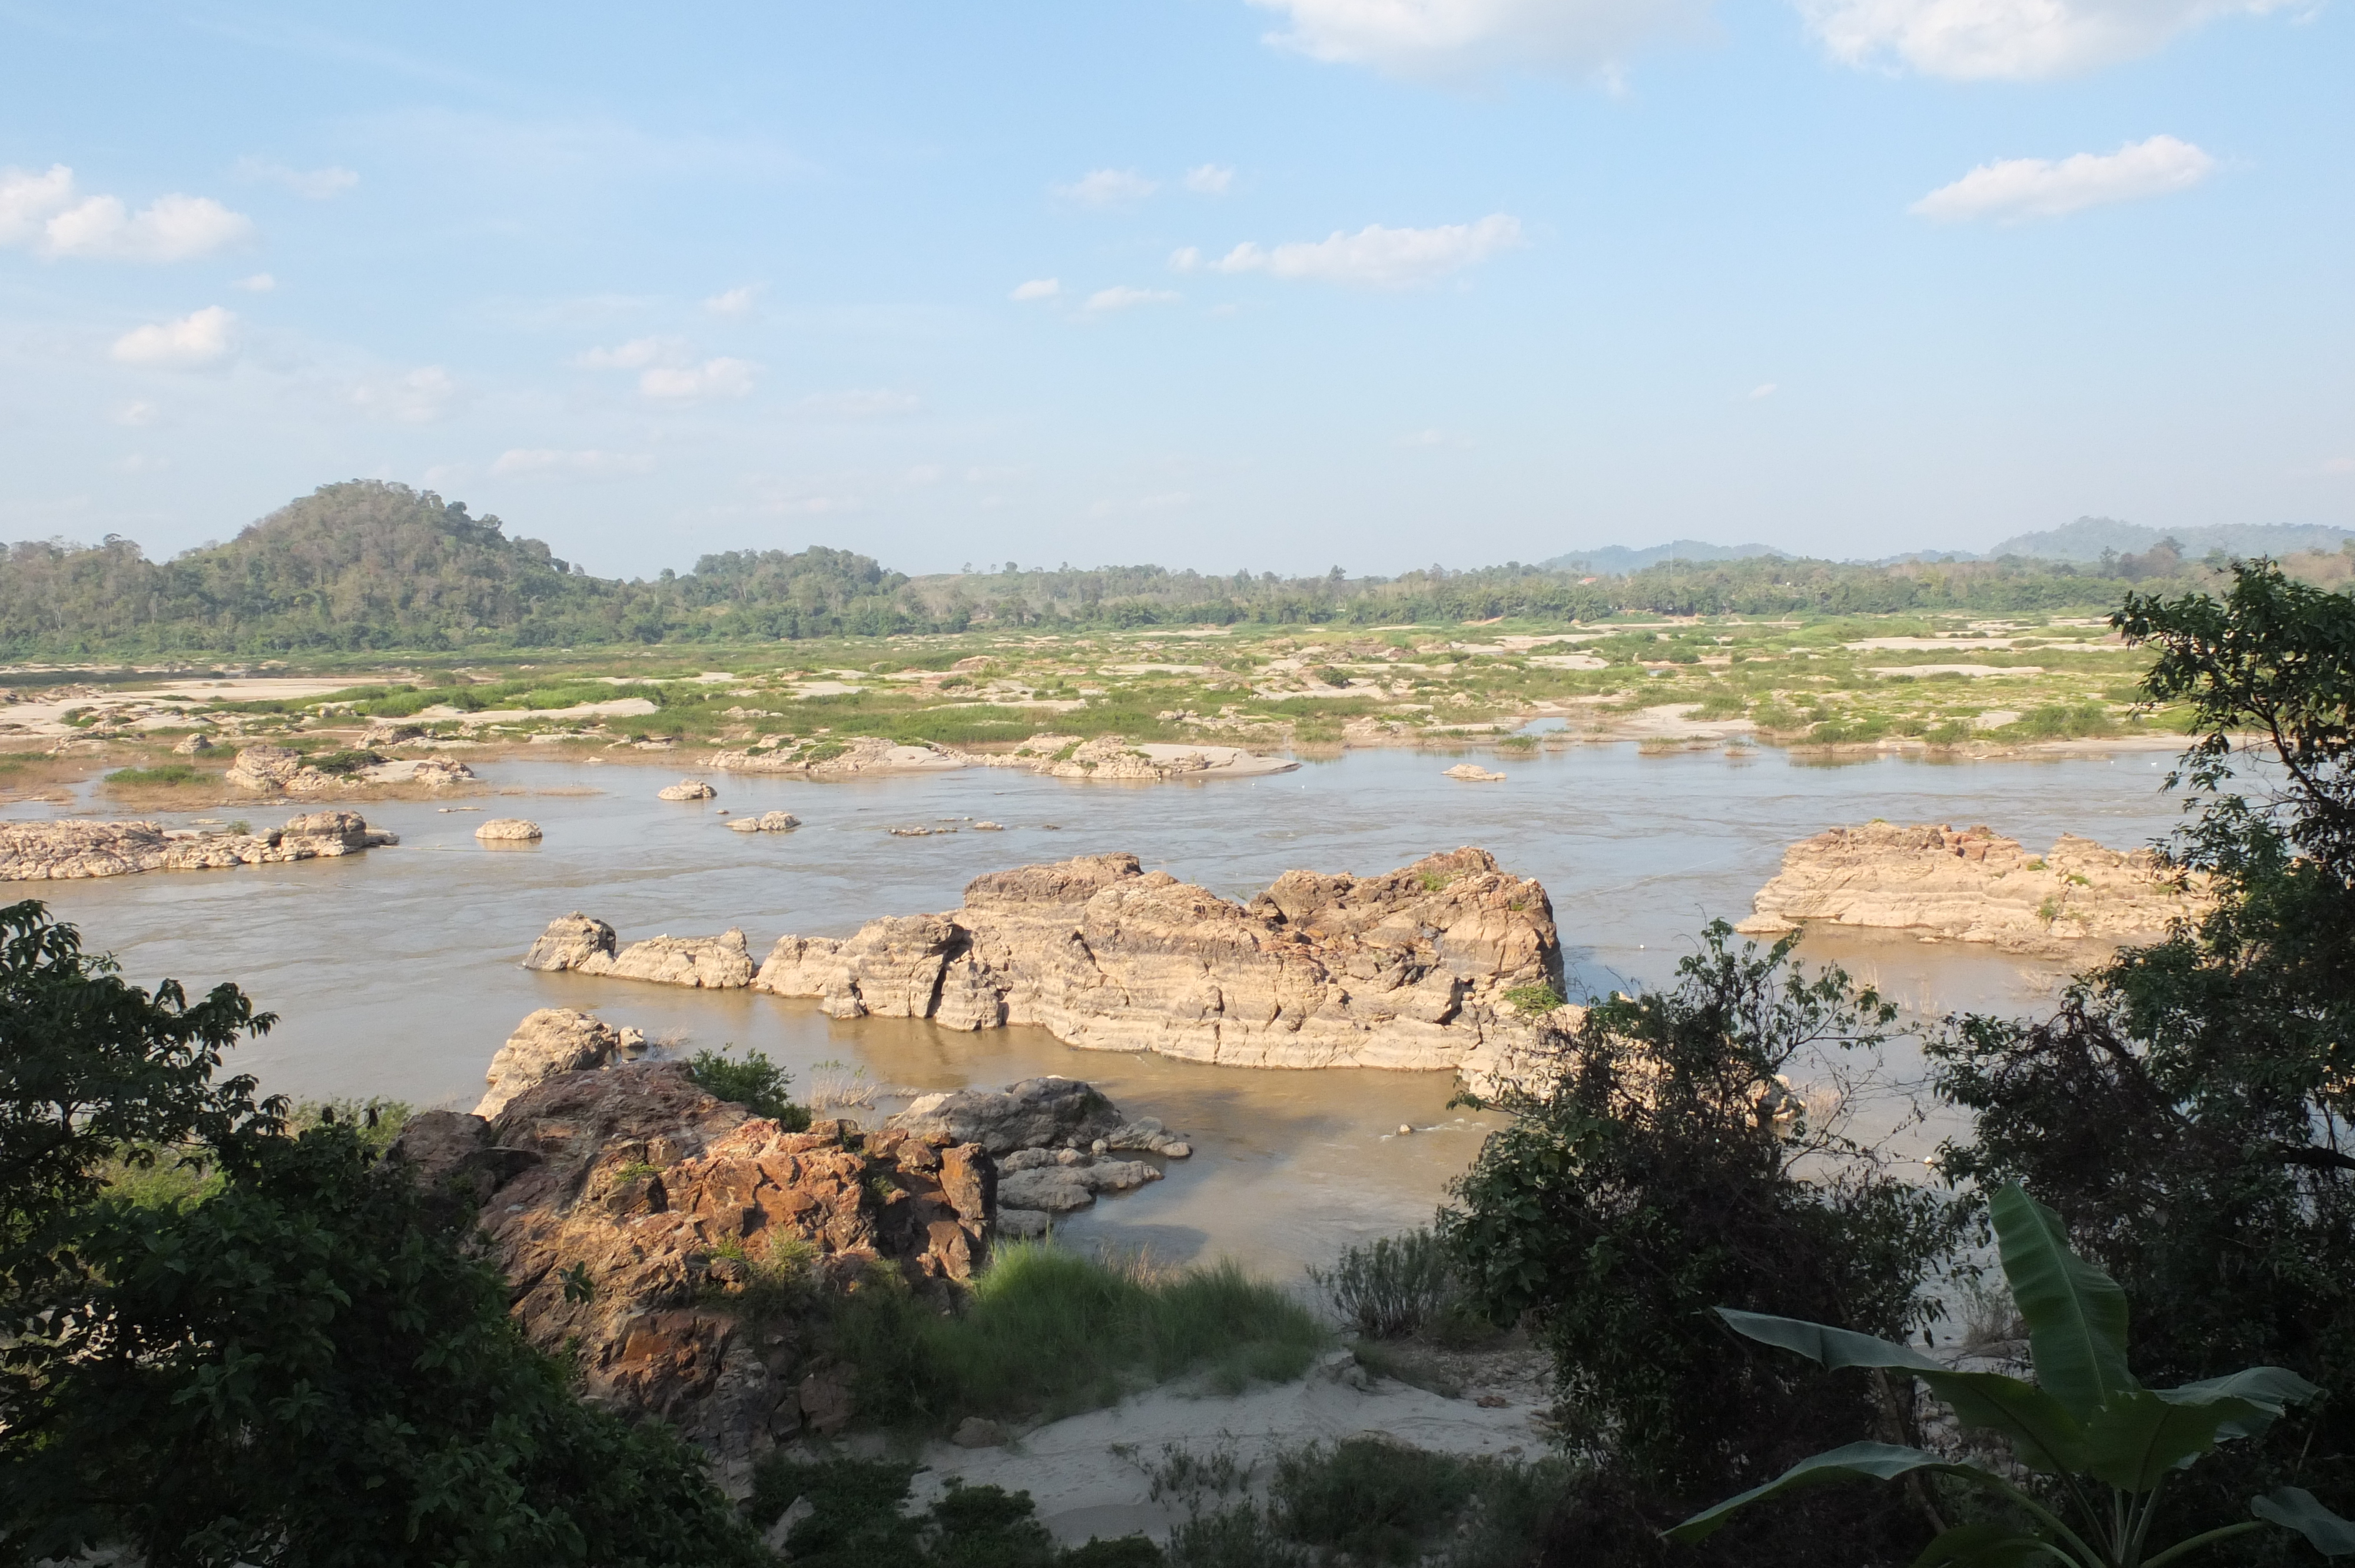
x,y
199,338
1378,258
135,414
1108,187
1209,179
311,184
1763,390
2011,39
418,396
712,378
2339,465
862,404
43,213
2014,190
538,462
733,301
1456,39
259,284
1038,289
1184,260
1122,297
635,355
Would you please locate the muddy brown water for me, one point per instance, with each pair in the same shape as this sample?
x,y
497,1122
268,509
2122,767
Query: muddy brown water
x,y
395,972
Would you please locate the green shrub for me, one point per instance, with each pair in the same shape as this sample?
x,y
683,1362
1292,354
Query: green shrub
x,y
752,1081
1392,1286
1534,999
2060,721
165,775
341,763
856,1520
1049,1332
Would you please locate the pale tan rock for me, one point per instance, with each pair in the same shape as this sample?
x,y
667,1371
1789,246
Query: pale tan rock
x,y
571,941
1973,886
705,963
687,789
508,829
1407,970
193,746
767,823
265,768
551,1041
440,772
1472,773
75,849
856,754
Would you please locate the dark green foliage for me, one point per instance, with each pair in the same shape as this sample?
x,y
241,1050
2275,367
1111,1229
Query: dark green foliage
x,y
857,1521
1050,1332
338,763
1393,1286
2186,1109
163,774
294,1363
752,1081
1667,1171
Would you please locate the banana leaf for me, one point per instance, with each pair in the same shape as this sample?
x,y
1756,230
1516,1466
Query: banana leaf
x,y
1983,1546
2076,1314
1857,1461
2135,1438
2296,1509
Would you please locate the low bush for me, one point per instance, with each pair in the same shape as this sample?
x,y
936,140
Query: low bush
x,y
857,1518
2060,721
341,763
752,1081
1392,1286
1049,1332
164,774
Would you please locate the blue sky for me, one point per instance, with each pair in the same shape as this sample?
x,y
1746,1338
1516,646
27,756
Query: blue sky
x,y
1218,283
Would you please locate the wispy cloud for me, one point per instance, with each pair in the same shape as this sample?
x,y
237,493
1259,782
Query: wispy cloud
x,y
738,302
259,284
635,355
861,404
1374,257
546,462
1209,179
1038,289
1763,390
712,378
1121,297
2015,190
416,397
2008,40
1459,38
1108,187
45,214
198,339
310,184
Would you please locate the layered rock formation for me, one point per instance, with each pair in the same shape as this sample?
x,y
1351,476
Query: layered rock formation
x,y
1972,885
1472,773
72,849
1111,757
1406,970
669,1242
277,770
767,823
589,946
551,1041
837,758
687,789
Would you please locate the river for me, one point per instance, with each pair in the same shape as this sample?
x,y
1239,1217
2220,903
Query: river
x,y
395,972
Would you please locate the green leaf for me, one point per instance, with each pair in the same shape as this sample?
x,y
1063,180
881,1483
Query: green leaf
x,y
1866,1461
2044,1435
2271,1389
1981,1546
2295,1506
1831,1347
2136,1438
2076,1314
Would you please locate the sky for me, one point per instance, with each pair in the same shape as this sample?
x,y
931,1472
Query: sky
x,y
1228,285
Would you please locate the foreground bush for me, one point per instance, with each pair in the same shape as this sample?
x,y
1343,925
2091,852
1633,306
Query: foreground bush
x,y
1049,1333
855,1519
294,1363
1392,1286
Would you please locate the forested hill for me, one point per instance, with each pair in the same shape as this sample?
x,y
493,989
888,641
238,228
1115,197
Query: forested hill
x,y
369,565
366,564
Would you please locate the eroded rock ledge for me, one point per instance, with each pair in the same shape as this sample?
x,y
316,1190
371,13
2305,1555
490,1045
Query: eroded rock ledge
x,y
73,850
1972,885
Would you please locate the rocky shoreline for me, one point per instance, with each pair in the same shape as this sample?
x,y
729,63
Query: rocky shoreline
x,y
1429,968
1106,757
1972,885
77,849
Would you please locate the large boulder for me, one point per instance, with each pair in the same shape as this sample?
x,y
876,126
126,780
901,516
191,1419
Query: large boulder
x,y
687,789
73,850
569,942
1037,1113
551,1041
1410,970
509,830
676,1249
266,769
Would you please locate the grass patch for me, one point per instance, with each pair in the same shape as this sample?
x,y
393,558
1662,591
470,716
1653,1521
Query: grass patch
x,y
857,1520
1534,999
1370,1500
1050,1333
752,1081
1392,1286
164,775
2060,721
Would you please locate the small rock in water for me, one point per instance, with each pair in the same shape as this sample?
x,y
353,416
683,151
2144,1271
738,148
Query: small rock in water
x,y
1405,1130
508,829
687,790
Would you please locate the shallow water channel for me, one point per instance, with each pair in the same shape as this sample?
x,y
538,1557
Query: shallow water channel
x,y
395,972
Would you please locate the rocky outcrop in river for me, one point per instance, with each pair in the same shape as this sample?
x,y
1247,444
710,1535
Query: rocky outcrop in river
x,y
1972,885
589,946
672,1244
279,770
1409,969
73,850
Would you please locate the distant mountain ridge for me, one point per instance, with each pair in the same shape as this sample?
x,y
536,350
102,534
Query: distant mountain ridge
x,y
2087,537
1618,560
